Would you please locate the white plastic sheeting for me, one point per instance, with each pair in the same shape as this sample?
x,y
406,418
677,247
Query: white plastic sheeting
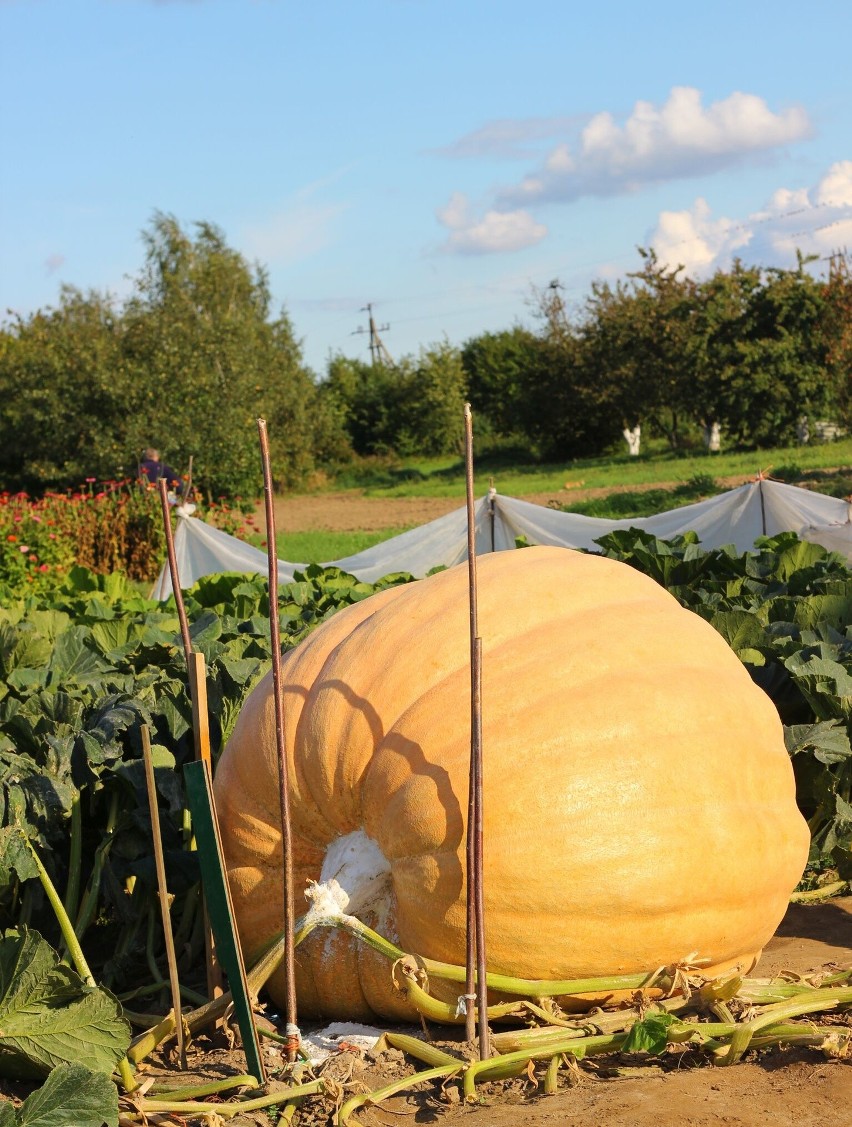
x,y
738,517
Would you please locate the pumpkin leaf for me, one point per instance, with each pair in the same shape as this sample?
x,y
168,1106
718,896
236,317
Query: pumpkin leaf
x,y
71,1096
649,1035
48,1016
15,858
828,741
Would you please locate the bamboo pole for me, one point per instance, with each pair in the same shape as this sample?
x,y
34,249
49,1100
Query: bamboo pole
x,y
162,891
173,569
292,1028
475,945
197,681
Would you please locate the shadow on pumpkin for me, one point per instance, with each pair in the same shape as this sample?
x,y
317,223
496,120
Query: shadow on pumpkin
x,y
386,784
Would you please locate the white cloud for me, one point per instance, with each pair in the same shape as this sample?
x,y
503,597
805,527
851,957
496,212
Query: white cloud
x,y
54,262
814,220
695,240
294,233
680,138
495,232
511,138
836,186
455,214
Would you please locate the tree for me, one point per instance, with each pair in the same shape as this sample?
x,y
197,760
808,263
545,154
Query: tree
x,y
413,407
365,398
836,333
188,365
211,359
639,337
497,368
64,392
431,403
764,357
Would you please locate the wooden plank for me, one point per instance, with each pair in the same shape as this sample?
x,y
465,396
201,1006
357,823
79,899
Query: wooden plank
x,y
197,670
219,905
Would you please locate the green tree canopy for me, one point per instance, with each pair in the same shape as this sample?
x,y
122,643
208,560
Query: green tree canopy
x,y
187,364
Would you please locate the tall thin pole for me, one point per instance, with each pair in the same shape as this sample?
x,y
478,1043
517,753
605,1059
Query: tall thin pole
x,y
292,1029
173,570
196,679
475,980
162,892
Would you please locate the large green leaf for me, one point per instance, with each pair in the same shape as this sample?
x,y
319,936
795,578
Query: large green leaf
x,y
15,857
825,683
828,741
743,632
22,646
73,660
48,1016
71,1096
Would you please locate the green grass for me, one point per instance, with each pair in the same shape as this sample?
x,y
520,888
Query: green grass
x,y
648,502
513,476
321,546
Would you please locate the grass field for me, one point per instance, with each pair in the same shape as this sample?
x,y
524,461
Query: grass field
x,y
444,477
319,546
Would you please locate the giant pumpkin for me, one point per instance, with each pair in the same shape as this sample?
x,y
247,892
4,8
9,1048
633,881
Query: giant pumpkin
x,y
639,805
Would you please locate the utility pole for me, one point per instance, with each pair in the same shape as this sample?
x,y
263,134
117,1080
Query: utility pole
x,y
378,353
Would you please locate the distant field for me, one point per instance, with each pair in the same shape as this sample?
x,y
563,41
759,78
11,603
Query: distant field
x,y
614,487
321,546
444,477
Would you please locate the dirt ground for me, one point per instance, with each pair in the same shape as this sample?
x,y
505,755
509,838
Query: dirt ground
x,y
351,511
773,1088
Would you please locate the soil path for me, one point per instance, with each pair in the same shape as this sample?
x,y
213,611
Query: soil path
x,y
351,511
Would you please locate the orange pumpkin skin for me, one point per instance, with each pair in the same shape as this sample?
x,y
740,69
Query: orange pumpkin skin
x,y
639,803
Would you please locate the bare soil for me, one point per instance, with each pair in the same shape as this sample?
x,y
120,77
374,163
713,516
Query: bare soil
x,y
351,511
773,1088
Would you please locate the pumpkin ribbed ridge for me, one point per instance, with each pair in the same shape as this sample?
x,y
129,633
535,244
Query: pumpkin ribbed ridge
x,y
639,802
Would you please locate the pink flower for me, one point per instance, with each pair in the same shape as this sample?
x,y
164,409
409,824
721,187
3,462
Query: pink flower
x,y
44,567
23,548
89,480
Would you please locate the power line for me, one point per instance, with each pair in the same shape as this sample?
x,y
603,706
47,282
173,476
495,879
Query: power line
x,y
378,352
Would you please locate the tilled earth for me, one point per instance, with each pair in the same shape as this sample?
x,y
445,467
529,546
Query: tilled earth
x,y
773,1088
351,511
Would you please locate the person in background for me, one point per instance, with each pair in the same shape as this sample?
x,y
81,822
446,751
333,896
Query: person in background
x,y
152,468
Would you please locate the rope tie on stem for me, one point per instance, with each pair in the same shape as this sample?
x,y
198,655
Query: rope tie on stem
x,y
462,1003
294,1038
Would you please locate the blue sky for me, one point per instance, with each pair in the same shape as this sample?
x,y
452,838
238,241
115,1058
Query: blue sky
x,y
438,159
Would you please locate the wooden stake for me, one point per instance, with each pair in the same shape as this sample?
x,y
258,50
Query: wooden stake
x,y
200,712
292,1028
159,861
475,946
173,568
197,680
